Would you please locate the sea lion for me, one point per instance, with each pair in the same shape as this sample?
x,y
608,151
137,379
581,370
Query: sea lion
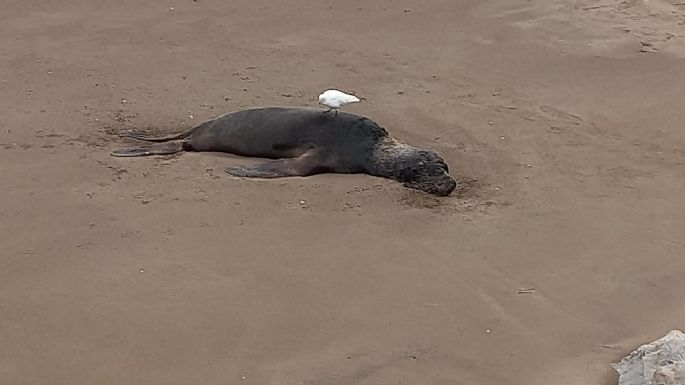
x,y
306,141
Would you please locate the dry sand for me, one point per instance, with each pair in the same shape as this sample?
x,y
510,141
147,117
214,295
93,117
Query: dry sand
x,y
564,117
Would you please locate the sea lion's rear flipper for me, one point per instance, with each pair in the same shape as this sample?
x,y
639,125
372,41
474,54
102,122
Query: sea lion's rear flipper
x,y
140,136
309,163
166,149
168,138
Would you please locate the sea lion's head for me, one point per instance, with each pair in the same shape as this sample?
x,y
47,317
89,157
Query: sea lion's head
x,y
427,171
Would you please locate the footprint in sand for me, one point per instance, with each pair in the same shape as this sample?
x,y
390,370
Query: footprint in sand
x,y
556,114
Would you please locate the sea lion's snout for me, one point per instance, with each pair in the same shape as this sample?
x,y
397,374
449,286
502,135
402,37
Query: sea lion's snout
x,y
428,172
435,180
445,183
447,186
442,185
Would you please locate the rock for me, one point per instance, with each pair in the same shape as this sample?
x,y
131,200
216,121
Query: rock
x,y
661,362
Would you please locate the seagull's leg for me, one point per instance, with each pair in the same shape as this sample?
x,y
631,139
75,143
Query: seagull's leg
x,y
335,112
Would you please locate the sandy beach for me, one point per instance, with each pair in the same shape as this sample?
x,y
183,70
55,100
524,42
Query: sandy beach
x,y
562,252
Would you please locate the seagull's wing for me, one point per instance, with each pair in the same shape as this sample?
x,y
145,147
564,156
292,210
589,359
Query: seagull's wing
x,y
351,99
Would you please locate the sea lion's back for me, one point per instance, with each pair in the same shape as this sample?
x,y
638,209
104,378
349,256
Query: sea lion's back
x,y
261,130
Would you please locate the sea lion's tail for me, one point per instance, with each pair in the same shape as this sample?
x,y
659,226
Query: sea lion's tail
x,y
165,149
182,135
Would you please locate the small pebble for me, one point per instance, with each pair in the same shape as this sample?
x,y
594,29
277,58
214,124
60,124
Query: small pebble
x,y
501,137
171,8
142,271
488,331
243,378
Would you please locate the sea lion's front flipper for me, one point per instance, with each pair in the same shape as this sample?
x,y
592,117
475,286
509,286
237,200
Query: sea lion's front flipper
x,y
309,163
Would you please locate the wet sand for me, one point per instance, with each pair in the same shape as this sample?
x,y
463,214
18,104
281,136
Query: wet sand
x,y
563,119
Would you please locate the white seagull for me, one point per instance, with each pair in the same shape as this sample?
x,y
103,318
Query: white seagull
x,y
334,99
